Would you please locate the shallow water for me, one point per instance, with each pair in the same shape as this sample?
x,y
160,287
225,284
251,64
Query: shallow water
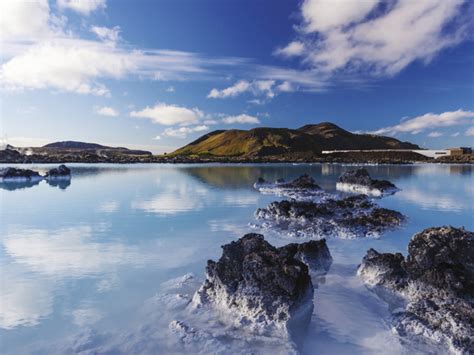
x,y
86,266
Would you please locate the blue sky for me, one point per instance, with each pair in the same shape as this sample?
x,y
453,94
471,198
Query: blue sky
x,y
158,74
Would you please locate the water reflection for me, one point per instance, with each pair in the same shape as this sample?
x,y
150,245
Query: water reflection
x,y
89,257
18,185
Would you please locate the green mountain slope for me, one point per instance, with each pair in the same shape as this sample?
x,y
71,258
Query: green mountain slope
x,y
282,141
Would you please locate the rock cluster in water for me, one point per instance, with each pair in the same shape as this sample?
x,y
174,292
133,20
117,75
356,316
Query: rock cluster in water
x,y
301,187
360,181
14,178
267,288
19,175
61,172
437,281
354,216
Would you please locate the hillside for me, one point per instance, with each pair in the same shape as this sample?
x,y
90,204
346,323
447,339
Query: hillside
x,y
310,139
76,147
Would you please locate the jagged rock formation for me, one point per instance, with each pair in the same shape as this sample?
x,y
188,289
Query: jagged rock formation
x,y
354,216
437,281
61,172
19,175
302,187
360,181
266,288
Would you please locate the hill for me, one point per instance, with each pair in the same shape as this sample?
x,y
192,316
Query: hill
x,y
75,147
309,139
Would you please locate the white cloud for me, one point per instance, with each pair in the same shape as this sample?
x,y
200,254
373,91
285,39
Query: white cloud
x,y
107,111
170,89
157,138
295,48
265,87
285,86
455,134
25,20
232,91
84,7
108,35
375,37
469,132
429,121
68,65
169,115
435,134
182,132
241,119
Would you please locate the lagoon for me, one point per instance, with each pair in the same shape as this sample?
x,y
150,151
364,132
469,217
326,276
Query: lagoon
x,y
90,266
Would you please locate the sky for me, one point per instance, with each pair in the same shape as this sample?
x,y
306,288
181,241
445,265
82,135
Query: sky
x,y
158,74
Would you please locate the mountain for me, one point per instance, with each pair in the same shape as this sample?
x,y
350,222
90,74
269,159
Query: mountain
x,y
74,147
312,139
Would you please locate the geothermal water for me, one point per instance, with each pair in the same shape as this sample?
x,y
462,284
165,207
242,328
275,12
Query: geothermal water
x,y
109,262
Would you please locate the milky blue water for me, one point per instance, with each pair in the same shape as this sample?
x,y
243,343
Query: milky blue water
x,y
83,266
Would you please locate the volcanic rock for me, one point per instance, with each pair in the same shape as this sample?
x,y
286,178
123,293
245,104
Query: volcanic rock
x,y
437,281
354,216
360,181
266,288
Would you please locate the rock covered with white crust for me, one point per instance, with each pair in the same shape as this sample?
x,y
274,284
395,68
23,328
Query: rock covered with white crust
x,y
360,181
265,288
437,281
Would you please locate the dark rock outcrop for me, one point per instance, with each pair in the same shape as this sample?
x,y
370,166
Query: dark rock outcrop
x,y
267,288
20,175
436,279
315,254
354,216
359,180
302,183
302,187
61,172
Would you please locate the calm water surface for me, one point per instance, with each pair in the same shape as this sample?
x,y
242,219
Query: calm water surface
x,y
82,266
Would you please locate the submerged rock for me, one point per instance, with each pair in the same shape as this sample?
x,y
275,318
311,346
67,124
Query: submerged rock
x,y
360,181
61,172
301,187
354,216
437,281
19,175
267,288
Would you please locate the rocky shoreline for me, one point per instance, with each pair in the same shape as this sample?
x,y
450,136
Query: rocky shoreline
x,y
19,157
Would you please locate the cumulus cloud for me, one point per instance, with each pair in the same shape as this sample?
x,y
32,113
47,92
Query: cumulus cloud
x,y
182,132
107,111
374,36
38,52
295,48
25,20
232,91
435,134
241,119
84,7
469,132
169,115
265,87
429,121
170,89
108,35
